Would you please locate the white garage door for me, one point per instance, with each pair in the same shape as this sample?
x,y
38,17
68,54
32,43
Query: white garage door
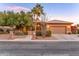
x,y
59,30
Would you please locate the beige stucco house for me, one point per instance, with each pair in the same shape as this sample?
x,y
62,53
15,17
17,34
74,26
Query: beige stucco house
x,y
59,27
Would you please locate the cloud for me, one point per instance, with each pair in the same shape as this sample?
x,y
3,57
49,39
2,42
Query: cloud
x,y
15,8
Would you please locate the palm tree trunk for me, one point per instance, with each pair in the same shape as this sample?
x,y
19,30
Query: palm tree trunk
x,y
35,28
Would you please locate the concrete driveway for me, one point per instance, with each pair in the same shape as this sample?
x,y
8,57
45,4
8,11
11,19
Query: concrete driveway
x,y
62,37
66,36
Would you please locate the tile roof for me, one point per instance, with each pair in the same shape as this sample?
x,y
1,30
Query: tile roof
x,y
58,21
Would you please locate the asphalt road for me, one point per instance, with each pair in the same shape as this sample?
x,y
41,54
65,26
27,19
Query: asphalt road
x,y
39,48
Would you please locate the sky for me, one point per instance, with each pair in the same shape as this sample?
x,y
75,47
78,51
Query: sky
x,y
54,11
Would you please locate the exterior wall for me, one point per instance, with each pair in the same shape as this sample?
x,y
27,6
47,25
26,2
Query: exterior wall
x,y
67,26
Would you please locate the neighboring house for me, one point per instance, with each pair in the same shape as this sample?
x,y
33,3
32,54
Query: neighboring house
x,y
74,29
59,27
77,28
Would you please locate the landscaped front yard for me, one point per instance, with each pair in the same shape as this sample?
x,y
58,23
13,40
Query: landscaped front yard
x,y
58,37
61,37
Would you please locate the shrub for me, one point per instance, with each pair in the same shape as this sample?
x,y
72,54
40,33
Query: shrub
x,y
38,33
78,31
48,33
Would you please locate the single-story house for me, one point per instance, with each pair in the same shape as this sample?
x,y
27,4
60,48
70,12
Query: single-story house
x,y
59,27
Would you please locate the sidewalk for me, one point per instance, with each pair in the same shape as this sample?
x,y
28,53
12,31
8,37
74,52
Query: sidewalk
x,y
20,38
57,38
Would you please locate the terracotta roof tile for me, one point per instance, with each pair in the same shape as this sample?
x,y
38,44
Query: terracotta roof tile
x,y
58,21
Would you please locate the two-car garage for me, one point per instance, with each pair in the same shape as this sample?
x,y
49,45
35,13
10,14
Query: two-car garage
x,y
58,29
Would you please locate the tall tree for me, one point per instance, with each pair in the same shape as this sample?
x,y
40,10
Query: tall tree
x,y
20,19
26,19
37,11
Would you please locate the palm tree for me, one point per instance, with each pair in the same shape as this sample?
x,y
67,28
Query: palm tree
x,y
37,12
43,25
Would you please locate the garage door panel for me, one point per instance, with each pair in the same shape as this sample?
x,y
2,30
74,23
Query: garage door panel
x,y
58,29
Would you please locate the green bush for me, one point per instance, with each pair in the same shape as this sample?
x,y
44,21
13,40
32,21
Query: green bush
x,y
38,33
48,33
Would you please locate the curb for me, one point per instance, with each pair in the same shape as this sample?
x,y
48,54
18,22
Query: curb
x,y
39,40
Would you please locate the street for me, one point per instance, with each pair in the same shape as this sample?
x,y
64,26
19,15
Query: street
x,y
40,48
